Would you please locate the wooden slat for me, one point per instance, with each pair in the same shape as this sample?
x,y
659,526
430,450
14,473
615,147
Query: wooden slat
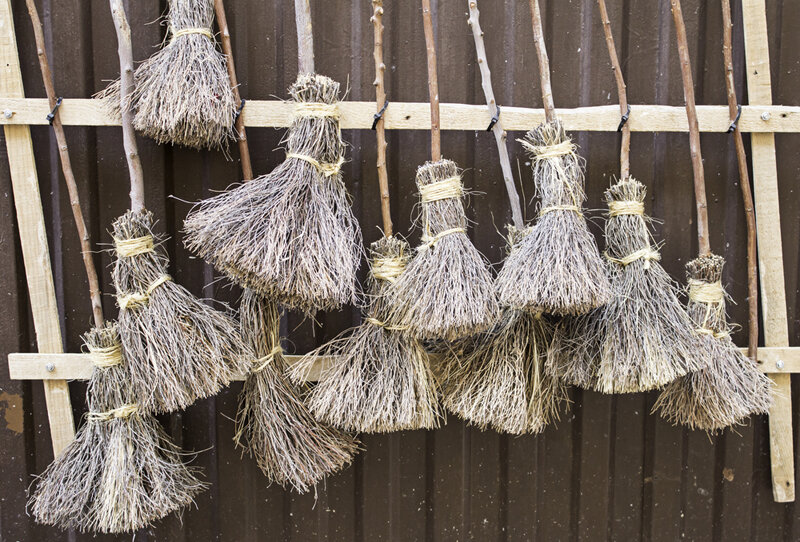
x,y
416,116
33,237
770,251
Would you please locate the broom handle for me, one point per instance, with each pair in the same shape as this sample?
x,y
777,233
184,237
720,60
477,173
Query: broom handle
x,y
544,62
433,82
66,167
694,130
380,131
227,49
125,52
497,128
305,37
744,182
625,145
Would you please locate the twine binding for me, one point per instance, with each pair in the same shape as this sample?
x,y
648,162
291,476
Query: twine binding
x,y
647,254
444,189
546,152
328,169
625,207
706,292
106,357
123,411
127,248
387,269
127,301
384,325
175,34
551,208
266,360
430,242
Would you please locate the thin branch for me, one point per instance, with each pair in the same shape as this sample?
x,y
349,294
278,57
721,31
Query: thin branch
x,y
305,37
544,62
433,82
499,133
694,130
227,49
380,99
125,52
625,145
744,182
66,166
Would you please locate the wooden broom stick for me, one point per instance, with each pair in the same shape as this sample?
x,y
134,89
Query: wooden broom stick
x,y
694,130
433,82
380,100
544,62
125,52
305,37
744,182
66,166
227,49
497,128
625,145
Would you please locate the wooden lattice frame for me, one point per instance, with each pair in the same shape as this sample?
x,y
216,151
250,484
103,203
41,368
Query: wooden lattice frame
x,y
760,118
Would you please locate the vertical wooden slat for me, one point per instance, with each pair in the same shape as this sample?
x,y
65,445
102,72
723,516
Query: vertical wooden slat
x,y
33,236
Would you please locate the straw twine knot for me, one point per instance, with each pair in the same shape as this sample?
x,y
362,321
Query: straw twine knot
x,y
266,360
328,169
134,299
384,325
316,110
445,189
388,269
105,357
625,207
647,254
186,31
134,246
124,411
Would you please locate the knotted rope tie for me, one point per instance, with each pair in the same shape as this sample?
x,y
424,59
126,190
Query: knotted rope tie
x,y
444,189
120,412
388,269
134,246
647,254
625,207
105,357
126,301
430,242
551,208
186,31
266,360
315,110
384,325
328,169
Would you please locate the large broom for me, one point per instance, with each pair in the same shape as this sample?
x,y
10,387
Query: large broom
x,y
179,348
556,267
446,291
121,472
182,95
379,380
486,378
642,339
731,388
272,423
290,234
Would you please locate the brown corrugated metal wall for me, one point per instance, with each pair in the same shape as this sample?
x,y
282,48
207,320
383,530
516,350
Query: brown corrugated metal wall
x,y
609,469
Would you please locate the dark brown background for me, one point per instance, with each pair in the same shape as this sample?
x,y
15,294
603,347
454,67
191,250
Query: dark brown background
x,y
609,469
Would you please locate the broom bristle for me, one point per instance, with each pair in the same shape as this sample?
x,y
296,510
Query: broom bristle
x,y
446,291
182,93
289,235
272,423
179,349
546,394
379,380
731,388
556,268
121,473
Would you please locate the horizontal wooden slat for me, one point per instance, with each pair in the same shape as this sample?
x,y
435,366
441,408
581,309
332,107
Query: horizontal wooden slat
x,y
34,366
416,116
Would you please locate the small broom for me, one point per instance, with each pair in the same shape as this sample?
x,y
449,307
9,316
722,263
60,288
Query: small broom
x,y
486,378
642,339
290,234
118,447
446,291
181,93
556,268
731,388
178,348
380,380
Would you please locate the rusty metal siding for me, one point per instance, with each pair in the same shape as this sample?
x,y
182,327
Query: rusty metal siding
x,y
609,469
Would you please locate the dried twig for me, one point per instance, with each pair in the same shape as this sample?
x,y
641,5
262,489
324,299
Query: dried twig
x,y
544,62
380,101
433,81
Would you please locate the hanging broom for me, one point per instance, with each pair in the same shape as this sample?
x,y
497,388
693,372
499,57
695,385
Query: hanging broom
x,y
182,95
121,472
380,380
486,378
290,234
556,268
446,290
731,388
642,339
178,348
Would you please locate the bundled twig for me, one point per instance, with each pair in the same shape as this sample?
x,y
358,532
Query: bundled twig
x,y
556,268
272,423
643,338
182,94
290,234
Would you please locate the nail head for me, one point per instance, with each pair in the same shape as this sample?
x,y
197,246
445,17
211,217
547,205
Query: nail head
x,y
50,367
